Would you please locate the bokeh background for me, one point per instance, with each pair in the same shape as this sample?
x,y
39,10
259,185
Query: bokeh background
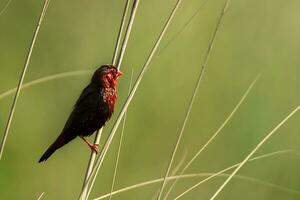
x,y
257,36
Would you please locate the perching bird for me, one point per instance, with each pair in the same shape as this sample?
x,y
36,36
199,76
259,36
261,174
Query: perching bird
x,y
91,111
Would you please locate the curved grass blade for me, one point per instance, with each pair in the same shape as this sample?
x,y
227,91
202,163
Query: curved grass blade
x,y
44,80
146,183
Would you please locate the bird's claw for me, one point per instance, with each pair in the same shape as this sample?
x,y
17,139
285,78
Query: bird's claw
x,y
95,148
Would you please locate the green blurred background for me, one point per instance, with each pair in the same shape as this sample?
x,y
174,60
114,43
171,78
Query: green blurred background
x,y
257,36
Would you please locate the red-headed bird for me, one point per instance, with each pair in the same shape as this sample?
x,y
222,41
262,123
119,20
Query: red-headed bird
x,y
91,111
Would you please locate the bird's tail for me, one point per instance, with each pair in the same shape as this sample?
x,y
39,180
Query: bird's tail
x,y
59,142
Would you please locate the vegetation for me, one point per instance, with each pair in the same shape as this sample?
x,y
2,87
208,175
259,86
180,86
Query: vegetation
x,y
214,88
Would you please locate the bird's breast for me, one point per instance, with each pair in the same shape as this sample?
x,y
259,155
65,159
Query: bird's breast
x,y
110,97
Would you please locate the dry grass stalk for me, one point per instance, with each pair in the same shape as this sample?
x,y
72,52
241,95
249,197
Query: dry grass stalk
x,y
27,61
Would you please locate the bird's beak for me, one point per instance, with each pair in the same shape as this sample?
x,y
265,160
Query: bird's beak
x,y
119,73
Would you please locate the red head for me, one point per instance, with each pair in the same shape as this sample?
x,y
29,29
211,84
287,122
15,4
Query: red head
x,y
106,76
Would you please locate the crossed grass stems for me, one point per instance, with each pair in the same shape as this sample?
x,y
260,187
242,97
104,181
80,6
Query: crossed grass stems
x,y
93,168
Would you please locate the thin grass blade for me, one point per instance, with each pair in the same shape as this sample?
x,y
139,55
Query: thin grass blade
x,y
46,79
173,173
190,105
215,134
13,107
41,196
239,165
253,151
99,132
127,34
188,22
5,7
115,55
146,183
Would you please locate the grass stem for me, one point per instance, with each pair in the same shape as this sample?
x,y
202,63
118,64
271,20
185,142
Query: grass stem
x,y
5,7
99,132
41,196
209,175
127,33
115,55
13,107
239,165
175,36
253,151
215,134
46,79
197,85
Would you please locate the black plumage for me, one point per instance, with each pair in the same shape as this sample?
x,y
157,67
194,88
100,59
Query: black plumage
x,y
92,109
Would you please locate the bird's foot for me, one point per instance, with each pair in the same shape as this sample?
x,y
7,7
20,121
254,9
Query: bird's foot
x,y
94,148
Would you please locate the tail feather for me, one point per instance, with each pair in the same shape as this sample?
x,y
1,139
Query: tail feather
x,y
48,153
59,142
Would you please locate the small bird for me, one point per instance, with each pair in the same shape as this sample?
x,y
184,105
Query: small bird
x,y
93,108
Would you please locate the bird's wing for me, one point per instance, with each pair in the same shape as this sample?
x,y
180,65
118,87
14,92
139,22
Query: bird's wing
x,y
86,108
89,90
84,111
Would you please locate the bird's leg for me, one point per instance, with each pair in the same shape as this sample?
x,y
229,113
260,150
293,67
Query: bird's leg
x,y
94,147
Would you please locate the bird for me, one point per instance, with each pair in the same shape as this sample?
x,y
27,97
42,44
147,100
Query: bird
x,y
91,111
